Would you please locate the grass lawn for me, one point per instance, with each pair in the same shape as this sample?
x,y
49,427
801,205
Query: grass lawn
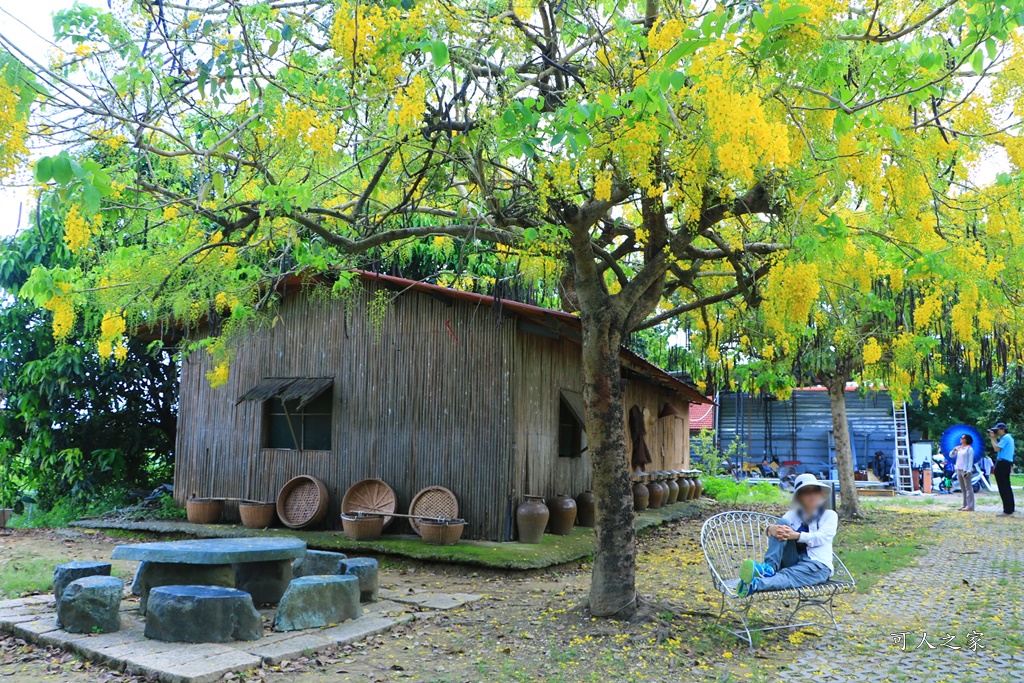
x,y
890,538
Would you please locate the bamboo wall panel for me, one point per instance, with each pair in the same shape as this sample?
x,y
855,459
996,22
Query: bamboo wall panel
x,y
417,406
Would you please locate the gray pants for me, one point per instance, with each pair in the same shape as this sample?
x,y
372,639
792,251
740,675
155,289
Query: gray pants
x,y
967,488
793,569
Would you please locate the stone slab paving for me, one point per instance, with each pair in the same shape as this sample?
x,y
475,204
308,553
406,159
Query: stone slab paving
x,y
33,619
905,629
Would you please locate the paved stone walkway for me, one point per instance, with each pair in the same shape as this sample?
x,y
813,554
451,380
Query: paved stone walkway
x,y
965,593
33,619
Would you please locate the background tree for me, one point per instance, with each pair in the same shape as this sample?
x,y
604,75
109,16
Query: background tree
x,y
72,421
662,154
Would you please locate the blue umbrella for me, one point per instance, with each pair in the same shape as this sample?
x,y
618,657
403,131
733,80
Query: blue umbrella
x,y
951,439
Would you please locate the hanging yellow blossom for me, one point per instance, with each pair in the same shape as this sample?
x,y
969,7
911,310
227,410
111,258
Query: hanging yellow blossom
x,y
872,351
13,130
218,377
77,231
63,312
112,329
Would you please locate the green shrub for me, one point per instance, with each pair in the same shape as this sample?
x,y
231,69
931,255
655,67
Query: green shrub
x,y
728,490
168,509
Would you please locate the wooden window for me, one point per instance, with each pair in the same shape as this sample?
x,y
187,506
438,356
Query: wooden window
x,y
571,434
306,427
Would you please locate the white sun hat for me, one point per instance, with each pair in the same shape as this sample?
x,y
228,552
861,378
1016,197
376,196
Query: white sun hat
x,y
807,481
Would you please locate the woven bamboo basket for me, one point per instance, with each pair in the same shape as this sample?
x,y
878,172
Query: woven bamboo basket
x,y
433,501
371,495
362,527
204,510
302,502
257,515
441,533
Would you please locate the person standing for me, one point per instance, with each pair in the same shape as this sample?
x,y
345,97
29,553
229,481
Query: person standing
x,y
986,466
963,454
1003,444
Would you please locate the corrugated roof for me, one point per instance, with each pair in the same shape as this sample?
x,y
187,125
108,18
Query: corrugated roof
x,y
702,418
303,389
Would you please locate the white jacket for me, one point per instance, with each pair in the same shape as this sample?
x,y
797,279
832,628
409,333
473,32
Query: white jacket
x,y
819,536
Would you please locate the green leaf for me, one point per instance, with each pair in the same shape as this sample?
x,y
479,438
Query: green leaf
x,y
77,169
842,124
530,234
62,170
978,62
218,184
91,196
439,52
678,80
44,170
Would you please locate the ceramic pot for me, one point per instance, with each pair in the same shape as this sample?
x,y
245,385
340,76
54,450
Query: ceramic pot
x,y
563,514
5,516
641,496
665,490
586,508
673,489
699,485
656,495
532,518
684,487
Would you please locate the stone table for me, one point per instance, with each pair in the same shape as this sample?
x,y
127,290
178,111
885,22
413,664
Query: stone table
x,y
261,567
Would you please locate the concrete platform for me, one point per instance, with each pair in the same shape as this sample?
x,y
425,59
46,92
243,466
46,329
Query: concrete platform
x,y
128,650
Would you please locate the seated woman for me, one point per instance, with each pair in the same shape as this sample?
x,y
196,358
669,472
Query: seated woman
x,y
799,545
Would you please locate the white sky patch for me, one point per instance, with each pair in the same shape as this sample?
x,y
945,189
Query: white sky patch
x,y
29,24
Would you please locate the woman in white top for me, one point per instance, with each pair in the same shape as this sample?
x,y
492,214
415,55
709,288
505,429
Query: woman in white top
x,y
964,457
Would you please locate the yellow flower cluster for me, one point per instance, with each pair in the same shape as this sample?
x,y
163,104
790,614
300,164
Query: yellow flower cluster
x,y
111,340
603,185
747,136
791,292
872,351
13,130
303,126
77,230
928,311
218,376
63,310
410,105
665,34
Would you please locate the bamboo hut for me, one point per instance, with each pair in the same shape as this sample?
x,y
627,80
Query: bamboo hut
x,y
449,388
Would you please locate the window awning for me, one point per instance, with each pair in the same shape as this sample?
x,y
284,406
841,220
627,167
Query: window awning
x,y
302,389
574,400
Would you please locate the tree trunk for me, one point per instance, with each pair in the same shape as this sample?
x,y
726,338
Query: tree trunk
x,y
613,584
849,507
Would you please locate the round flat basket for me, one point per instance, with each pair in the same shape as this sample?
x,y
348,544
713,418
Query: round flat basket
x,y
433,501
302,502
371,495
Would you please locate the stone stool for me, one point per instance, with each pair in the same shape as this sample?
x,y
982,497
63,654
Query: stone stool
x,y
318,563
366,569
316,601
64,574
154,574
201,614
91,605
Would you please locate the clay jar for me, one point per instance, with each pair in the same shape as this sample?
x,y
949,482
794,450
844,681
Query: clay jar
x,y
665,490
684,486
532,518
698,485
585,509
656,493
563,514
673,488
641,496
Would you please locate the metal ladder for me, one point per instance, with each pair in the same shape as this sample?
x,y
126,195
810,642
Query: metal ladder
x,y
904,466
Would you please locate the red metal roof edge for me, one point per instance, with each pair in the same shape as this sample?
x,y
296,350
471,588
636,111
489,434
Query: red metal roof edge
x,y
638,362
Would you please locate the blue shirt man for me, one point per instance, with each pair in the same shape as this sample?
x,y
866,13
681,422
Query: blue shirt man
x,y
1003,444
1005,447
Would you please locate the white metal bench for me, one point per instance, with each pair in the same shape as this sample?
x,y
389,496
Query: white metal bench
x,y
728,539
